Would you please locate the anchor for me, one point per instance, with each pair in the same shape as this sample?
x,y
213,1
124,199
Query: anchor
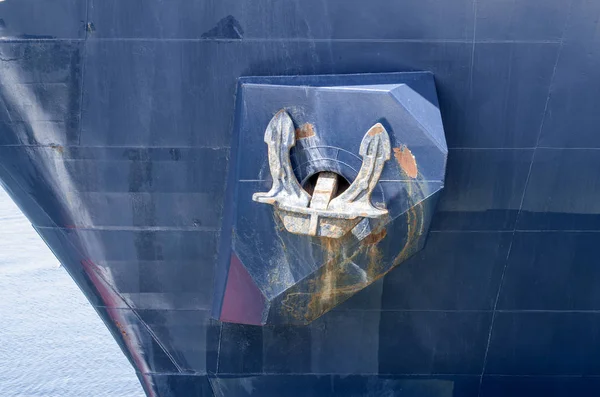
x,y
322,214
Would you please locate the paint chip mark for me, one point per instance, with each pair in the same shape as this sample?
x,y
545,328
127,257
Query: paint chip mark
x,y
226,28
406,160
305,131
90,27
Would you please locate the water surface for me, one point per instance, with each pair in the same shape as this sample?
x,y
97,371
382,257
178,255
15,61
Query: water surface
x,y
52,343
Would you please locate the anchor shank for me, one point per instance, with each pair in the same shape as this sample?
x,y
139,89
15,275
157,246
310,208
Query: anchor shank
x,y
325,189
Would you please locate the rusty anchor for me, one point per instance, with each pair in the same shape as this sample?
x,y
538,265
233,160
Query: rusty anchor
x,y
320,214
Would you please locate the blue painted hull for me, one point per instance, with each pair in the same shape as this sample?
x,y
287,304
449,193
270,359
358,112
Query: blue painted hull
x,y
115,136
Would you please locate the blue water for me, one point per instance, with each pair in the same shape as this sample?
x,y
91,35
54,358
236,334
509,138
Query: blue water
x,y
52,343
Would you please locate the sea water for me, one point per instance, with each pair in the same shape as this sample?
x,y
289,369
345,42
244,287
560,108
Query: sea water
x,y
52,343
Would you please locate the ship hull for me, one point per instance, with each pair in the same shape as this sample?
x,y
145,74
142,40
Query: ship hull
x,y
116,124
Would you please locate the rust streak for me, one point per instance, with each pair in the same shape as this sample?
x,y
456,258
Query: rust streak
x,y
333,284
305,131
375,237
415,226
406,160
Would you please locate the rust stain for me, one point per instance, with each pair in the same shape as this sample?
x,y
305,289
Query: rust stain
x,y
335,283
340,275
329,288
305,131
375,237
59,148
415,227
121,328
375,267
376,130
406,160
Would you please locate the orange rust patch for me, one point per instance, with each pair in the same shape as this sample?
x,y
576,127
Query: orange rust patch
x,y
375,237
305,131
376,130
406,160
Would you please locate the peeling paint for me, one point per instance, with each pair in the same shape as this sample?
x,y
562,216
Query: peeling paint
x,y
407,161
